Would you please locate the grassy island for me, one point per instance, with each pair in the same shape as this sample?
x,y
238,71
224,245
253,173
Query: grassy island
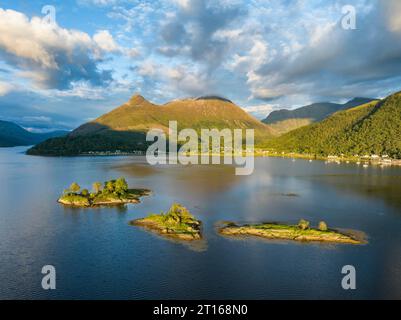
x,y
112,192
301,232
176,223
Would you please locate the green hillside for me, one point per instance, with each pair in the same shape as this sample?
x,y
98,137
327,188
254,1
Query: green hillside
x,y
284,120
372,128
284,126
12,135
125,127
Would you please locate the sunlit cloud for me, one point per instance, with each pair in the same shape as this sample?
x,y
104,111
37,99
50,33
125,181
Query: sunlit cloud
x,y
263,55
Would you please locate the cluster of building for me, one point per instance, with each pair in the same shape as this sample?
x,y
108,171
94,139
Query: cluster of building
x,y
113,153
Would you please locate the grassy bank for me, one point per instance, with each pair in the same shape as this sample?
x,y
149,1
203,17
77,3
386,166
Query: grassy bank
x,y
301,232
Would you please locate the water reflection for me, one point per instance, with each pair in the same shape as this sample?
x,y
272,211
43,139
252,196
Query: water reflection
x,y
203,180
99,255
373,186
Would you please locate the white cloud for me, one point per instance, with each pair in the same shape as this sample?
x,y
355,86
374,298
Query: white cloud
x,y
392,9
231,34
260,111
246,50
184,4
100,3
314,58
107,45
81,90
131,52
182,79
5,88
105,41
34,39
252,59
37,119
321,32
147,69
51,56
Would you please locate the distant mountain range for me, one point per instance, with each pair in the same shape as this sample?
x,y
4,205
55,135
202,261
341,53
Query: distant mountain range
x,y
283,121
125,127
12,135
372,128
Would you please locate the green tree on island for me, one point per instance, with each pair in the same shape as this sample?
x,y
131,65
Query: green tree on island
x,y
109,186
121,186
113,192
303,224
75,187
178,214
97,187
323,226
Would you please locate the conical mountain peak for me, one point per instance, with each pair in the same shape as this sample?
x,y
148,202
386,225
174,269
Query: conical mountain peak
x,y
137,99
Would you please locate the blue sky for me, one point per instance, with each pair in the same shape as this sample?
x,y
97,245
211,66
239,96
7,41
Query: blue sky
x,y
262,54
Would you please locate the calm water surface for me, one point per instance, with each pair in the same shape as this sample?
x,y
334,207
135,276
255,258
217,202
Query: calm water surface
x,y
97,255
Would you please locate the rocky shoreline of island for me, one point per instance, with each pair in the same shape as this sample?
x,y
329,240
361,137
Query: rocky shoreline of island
x,y
301,232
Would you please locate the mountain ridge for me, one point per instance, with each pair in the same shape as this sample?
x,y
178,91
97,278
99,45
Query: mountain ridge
x,y
13,135
285,120
125,127
372,128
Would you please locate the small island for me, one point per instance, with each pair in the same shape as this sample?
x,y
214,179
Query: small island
x,y
177,223
301,232
113,192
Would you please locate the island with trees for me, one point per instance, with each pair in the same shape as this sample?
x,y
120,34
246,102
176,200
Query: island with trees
x,y
177,223
301,232
112,192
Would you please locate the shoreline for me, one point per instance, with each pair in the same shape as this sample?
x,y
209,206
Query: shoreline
x,y
274,231
99,204
259,153
333,159
164,231
78,201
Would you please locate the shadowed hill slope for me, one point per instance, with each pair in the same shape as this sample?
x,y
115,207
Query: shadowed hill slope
x,y
12,135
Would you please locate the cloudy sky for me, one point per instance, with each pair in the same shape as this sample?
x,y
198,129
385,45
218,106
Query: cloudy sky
x,y
60,70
